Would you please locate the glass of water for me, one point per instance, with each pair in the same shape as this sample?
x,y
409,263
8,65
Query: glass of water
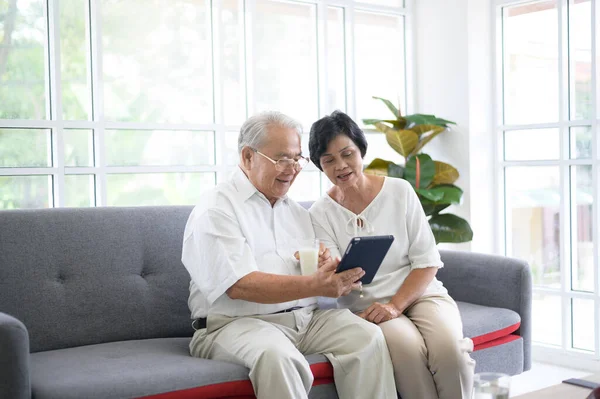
x,y
491,386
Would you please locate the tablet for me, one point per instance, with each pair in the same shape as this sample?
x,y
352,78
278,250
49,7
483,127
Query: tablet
x,y
366,253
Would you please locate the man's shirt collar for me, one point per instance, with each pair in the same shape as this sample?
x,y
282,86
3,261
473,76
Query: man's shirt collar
x,y
245,187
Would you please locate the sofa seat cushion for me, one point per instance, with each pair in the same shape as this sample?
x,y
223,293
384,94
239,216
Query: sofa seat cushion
x,y
129,369
488,326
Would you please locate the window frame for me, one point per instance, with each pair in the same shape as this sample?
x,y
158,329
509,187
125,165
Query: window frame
x,y
98,123
564,354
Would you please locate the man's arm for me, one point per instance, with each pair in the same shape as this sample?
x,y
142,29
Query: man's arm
x,y
272,288
219,260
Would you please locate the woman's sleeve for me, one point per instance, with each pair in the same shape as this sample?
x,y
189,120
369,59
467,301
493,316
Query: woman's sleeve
x,y
324,232
422,250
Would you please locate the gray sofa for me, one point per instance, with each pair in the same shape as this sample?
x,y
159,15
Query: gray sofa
x,y
93,304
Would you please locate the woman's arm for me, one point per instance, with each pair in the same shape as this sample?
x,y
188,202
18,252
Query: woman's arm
x,y
413,287
424,262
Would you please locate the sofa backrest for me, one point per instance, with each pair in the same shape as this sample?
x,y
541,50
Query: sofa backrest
x,y
79,276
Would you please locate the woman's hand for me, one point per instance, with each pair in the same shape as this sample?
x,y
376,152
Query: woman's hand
x,y
380,312
324,255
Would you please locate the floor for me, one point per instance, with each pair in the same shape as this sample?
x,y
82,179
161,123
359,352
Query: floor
x,y
540,376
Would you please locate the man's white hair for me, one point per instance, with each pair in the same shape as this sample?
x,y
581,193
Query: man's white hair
x,y
255,128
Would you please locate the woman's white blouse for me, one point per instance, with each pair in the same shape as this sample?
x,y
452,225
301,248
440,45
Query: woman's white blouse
x,y
396,210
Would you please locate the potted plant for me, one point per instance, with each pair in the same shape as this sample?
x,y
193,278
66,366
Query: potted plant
x,y
432,180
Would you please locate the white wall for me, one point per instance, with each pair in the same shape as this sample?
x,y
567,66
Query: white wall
x,y
453,49
482,132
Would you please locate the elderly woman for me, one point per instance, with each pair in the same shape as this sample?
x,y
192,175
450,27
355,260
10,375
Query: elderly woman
x,y
420,321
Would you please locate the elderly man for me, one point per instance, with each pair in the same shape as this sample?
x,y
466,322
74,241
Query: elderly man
x,y
261,312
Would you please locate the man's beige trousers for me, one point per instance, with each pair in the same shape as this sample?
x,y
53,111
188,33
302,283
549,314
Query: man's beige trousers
x,y
272,347
430,355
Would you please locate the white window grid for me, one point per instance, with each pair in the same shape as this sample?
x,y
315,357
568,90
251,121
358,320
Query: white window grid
x,y
564,354
98,123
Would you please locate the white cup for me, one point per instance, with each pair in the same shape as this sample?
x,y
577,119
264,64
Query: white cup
x,y
309,256
491,386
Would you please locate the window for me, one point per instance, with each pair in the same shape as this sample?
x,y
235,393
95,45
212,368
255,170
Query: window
x,y
128,102
551,164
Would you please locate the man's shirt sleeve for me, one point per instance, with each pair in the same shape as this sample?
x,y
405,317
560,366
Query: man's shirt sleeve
x,y
216,253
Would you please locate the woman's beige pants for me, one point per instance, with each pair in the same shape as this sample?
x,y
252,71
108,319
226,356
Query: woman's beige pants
x,y
430,355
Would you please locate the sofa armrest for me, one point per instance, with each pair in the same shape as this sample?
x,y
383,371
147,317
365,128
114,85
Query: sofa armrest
x,y
491,280
14,359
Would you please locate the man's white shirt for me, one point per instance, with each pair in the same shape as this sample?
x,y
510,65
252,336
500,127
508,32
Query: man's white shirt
x,y
236,231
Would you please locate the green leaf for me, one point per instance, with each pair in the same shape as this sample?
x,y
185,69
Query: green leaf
x,y
425,172
430,194
381,167
402,141
423,129
426,138
378,167
431,207
390,106
450,194
395,170
438,198
425,119
448,227
396,123
400,123
372,121
444,173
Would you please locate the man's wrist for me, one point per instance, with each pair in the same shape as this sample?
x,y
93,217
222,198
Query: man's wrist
x,y
312,286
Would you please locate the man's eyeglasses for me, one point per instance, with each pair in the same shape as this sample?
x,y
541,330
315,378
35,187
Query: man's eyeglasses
x,y
286,164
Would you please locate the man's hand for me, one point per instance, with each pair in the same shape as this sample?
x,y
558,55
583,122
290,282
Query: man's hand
x,y
380,312
331,284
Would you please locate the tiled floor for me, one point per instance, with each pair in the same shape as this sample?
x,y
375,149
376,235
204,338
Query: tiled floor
x,y
540,376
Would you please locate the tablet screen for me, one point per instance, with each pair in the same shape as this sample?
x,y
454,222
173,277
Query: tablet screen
x,y
367,253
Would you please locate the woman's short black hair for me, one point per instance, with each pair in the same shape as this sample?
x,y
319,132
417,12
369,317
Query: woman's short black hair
x,y
329,127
